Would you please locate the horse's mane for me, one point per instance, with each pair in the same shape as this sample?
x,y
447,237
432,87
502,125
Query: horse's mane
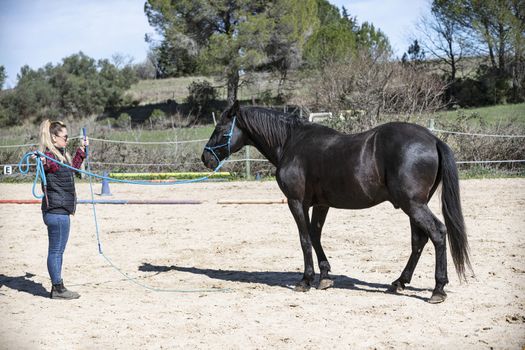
x,y
272,125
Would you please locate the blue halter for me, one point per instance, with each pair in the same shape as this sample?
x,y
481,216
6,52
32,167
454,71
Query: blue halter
x,y
227,144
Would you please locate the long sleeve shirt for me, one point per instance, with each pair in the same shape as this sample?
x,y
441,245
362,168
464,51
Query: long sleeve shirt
x,y
52,167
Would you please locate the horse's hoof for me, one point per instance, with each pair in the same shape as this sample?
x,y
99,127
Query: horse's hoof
x,y
396,287
437,298
325,283
301,287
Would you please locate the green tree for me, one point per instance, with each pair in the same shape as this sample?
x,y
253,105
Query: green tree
x,y
79,87
339,37
414,55
497,29
7,114
34,94
328,13
335,38
372,39
227,36
294,22
497,25
331,43
3,77
173,59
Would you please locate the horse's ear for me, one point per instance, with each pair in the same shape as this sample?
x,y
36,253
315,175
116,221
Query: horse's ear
x,y
235,108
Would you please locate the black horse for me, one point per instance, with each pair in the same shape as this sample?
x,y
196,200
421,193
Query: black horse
x,y
321,168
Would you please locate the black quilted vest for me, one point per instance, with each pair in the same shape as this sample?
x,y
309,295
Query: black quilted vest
x,y
60,192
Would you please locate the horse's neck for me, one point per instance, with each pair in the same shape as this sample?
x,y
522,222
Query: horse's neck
x,y
273,154
270,144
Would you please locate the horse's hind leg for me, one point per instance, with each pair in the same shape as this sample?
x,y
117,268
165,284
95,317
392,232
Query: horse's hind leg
x,y
318,218
300,214
419,239
436,231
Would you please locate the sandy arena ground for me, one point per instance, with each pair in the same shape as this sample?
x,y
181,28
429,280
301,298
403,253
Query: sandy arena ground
x,y
230,269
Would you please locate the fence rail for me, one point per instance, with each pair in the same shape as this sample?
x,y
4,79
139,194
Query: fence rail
x,y
247,159
475,134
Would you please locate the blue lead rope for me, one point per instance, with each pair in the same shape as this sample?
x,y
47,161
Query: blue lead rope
x,y
23,166
41,175
86,149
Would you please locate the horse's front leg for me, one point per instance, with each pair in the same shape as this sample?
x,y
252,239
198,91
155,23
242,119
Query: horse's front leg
x,y
300,214
318,218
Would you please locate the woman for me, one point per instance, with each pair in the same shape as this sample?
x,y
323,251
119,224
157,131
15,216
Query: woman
x,y
60,199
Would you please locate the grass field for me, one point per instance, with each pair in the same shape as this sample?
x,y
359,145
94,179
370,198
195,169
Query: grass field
x,y
177,134
492,115
160,90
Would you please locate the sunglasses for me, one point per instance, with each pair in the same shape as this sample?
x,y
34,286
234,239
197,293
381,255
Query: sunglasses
x,y
65,137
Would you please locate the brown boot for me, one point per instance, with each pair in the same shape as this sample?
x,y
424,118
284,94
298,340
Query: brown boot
x,y
58,291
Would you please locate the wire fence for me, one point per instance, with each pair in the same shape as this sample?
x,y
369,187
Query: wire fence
x,y
475,134
475,149
123,156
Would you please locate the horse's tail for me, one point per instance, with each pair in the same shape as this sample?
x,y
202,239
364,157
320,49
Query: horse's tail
x,y
451,207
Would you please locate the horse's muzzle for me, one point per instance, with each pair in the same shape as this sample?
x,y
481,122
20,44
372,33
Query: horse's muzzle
x,y
209,160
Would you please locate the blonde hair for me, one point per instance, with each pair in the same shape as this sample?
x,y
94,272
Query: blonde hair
x,y
47,130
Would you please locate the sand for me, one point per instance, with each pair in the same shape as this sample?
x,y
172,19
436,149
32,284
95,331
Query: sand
x,y
221,275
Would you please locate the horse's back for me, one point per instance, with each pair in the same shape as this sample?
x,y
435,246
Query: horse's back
x,y
325,167
360,170
403,133
404,144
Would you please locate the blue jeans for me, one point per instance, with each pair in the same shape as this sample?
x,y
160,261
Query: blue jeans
x,y
58,233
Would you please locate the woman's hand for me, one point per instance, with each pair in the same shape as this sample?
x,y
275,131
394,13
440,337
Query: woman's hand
x,y
42,159
85,143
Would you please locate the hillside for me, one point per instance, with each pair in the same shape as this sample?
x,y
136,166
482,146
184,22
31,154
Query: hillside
x,y
176,89
161,92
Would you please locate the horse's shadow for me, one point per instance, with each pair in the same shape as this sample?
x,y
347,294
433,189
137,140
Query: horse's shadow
x,y
279,279
24,284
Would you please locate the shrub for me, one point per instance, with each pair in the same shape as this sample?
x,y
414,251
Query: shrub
x,y
157,118
201,95
124,121
265,97
366,91
477,148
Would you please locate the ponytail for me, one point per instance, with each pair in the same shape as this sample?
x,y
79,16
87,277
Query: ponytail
x,y
47,130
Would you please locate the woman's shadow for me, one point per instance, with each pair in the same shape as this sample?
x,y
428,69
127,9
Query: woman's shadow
x,y
23,284
279,279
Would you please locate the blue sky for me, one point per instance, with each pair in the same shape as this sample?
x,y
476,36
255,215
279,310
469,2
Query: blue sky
x,y
396,18
36,32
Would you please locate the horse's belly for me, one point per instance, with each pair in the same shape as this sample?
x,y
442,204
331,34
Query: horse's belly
x,y
350,198
351,203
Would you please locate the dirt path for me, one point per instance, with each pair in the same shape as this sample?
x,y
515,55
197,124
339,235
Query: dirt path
x,y
250,255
